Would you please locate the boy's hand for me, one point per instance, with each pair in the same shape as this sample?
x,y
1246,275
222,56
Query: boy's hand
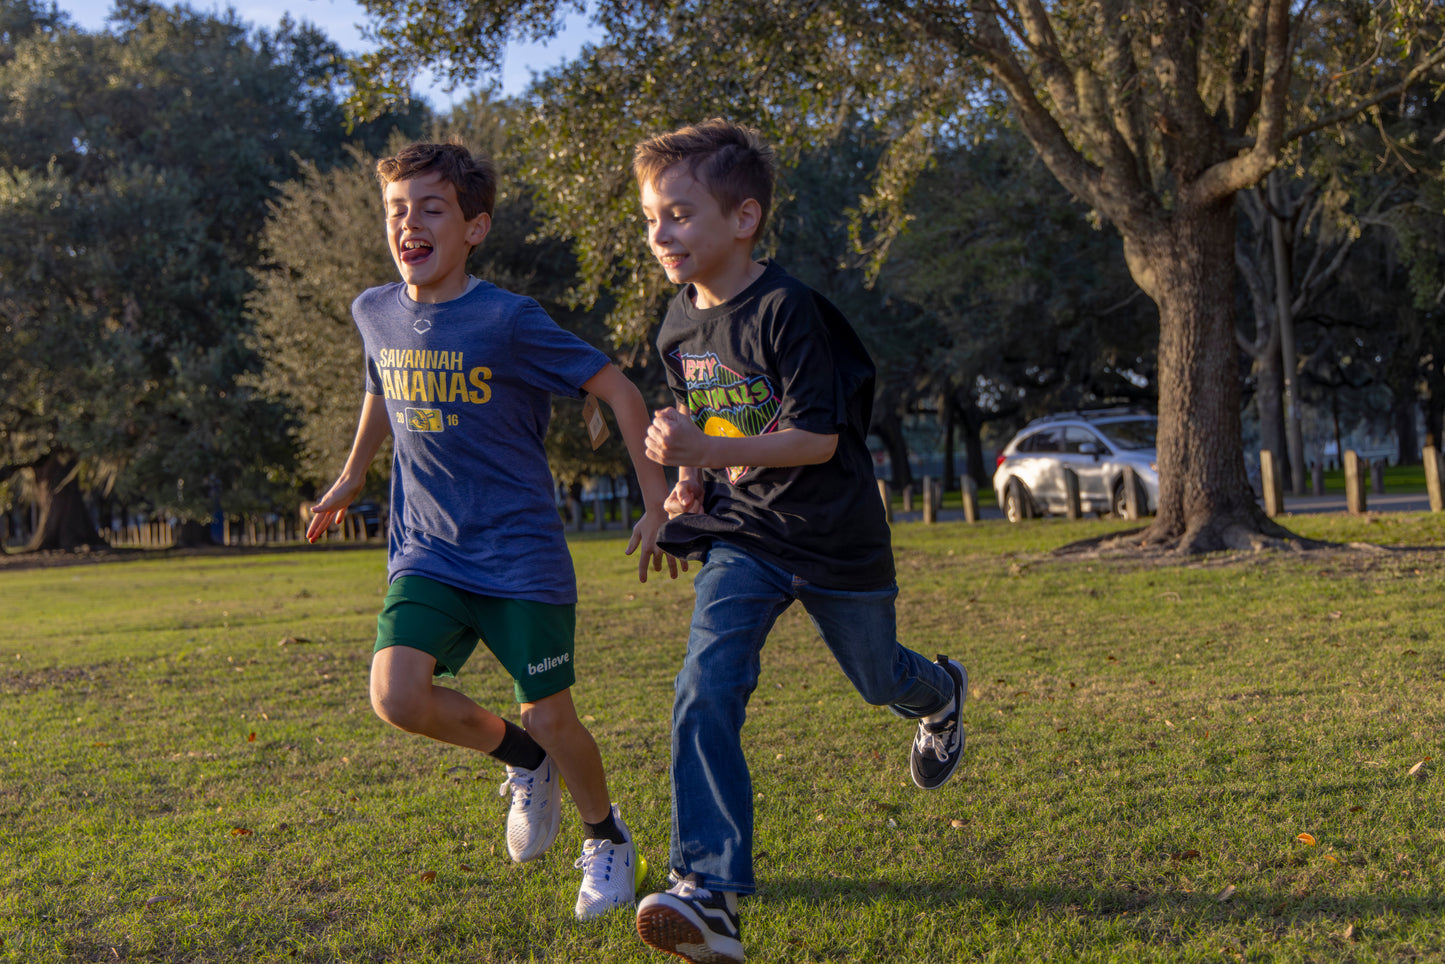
x,y
685,497
674,439
331,507
644,535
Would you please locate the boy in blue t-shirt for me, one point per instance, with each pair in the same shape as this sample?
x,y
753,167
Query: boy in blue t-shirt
x,y
461,374
776,495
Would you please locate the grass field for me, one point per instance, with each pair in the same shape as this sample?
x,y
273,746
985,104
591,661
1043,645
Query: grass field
x,y
1230,758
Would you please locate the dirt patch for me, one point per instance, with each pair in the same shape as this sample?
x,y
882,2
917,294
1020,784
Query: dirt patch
x,y
18,684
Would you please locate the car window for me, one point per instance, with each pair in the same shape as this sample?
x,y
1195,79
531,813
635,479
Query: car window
x,y
1044,440
1074,436
1134,433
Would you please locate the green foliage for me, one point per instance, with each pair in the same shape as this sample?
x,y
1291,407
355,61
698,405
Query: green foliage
x,y
139,162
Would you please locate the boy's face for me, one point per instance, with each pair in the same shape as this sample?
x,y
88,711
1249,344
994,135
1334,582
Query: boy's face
x,y
691,236
429,237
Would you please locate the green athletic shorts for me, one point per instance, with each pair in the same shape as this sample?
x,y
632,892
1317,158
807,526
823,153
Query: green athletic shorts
x,y
534,641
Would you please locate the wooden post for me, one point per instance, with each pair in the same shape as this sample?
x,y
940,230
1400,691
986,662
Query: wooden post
x,y
1071,494
970,499
1317,478
887,501
575,507
1354,483
930,501
1433,466
1133,507
908,497
1273,485
1377,476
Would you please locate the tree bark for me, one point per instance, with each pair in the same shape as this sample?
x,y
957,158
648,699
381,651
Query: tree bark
x,y
1185,261
888,427
65,523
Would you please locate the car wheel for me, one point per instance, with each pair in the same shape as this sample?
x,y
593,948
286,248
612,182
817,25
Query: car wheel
x,y
1119,502
1016,506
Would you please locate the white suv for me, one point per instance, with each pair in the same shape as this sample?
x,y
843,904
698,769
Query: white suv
x,y
1096,445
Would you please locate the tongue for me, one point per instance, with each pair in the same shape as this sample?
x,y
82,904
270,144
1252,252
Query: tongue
x,y
413,255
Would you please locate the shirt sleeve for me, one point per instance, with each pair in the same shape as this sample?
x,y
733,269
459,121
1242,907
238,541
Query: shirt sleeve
x,y
812,395
550,357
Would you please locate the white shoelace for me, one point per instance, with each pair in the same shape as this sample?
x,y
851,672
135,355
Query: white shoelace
x,y
934,743
520,786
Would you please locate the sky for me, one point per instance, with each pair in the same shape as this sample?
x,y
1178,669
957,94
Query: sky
x,y
339,19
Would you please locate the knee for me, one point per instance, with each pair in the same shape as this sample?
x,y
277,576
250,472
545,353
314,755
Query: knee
x,y
402,708
550,723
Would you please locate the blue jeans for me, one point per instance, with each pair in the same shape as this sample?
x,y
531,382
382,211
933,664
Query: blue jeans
x,y
739,597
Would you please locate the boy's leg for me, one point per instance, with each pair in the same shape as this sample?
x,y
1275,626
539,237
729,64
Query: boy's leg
x,y
552,722
738,600
609,856
860,628
402,693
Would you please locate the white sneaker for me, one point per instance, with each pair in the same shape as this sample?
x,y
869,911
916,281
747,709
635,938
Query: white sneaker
x,y
536,812
609,874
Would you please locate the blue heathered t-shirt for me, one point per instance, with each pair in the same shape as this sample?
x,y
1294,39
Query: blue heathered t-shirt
x,y
468,386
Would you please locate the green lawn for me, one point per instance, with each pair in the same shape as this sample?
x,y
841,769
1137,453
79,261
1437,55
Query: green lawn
x,y
190,771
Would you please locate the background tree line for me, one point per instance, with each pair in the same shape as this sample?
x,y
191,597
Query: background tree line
x,y
191,216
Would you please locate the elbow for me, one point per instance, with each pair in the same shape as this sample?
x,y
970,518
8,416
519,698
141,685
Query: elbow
x,y
827,445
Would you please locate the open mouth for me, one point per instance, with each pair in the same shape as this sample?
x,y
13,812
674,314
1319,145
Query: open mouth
x,y
414,252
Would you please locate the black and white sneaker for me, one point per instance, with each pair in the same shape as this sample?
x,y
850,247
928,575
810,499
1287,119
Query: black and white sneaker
x,y
939,746
692,922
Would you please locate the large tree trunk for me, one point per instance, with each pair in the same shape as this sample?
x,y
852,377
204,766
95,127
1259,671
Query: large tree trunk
x,y
1186,263
889,427
64,522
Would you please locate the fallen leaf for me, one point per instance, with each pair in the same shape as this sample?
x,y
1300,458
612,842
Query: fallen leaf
x,y
1410,652
956,823
1226,893
1168,724
466,868
161,899
1332,858
1186,855
453,771
1414,770
1306,839
1349,932
1336,614
252,737
1356,809
241,831
427,876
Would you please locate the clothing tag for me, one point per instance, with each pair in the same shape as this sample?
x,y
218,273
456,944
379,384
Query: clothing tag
x,y
596,424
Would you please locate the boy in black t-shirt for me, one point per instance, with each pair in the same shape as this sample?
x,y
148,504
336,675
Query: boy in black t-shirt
x,y
776,494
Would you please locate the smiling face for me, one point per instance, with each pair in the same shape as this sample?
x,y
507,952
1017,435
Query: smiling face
x,y
429,237
694,241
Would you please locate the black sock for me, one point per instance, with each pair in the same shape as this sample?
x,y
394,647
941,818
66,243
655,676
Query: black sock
x,y
518,749
606,830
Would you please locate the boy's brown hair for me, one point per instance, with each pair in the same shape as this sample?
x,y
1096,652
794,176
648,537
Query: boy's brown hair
x,y
472,175
731,161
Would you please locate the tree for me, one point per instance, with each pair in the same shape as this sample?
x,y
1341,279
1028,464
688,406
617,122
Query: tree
x,y
1155,113
135,167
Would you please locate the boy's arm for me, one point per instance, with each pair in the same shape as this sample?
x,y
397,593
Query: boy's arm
x,y
371,430
674,439
617,390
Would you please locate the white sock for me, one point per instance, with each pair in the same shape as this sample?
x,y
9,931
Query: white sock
x,y
941,715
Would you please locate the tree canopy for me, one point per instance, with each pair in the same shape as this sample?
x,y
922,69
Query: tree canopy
x,y
1154,113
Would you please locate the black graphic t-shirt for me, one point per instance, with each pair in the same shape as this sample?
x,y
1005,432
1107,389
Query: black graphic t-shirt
x,y
778,356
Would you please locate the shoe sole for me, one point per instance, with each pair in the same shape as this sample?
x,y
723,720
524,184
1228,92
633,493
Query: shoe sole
x,y
960,683
669,929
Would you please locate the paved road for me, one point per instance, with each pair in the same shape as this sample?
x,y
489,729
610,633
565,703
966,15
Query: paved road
x,y
1293,505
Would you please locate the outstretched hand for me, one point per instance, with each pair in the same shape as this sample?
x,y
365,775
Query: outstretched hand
x,y
644,537
331,507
